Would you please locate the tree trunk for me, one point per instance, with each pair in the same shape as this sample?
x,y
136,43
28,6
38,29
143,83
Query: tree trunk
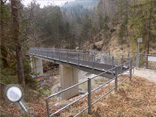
x,y
149,35
2,22
15,37
1,30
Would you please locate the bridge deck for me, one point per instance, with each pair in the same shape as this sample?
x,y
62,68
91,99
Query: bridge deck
x,y
77,59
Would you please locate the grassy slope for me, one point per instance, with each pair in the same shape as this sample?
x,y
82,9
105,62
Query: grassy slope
x,y
136,98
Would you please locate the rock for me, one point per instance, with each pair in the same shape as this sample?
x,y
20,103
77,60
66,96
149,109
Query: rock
x,y
112,30
99,45
58,105
92,46
77,48
56,88
82,92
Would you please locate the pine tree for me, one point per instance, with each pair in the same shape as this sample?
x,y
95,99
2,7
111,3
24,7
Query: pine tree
x,y
86,29
143,22
123,19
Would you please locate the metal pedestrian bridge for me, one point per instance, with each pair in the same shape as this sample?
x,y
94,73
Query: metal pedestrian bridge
x,y
89,61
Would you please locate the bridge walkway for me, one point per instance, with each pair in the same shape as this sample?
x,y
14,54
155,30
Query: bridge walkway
x,y
88,61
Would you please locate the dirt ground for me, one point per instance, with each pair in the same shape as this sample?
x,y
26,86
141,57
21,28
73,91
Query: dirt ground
x,y
145,73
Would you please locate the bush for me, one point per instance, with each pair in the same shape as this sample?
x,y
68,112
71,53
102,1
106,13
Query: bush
x,y
8,76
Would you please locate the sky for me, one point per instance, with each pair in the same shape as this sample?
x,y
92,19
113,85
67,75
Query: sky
x,y
47,2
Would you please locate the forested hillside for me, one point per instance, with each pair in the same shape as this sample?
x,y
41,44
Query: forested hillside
x,y
77,23
89,24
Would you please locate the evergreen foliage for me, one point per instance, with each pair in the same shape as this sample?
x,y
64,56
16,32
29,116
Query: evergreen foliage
x,y
143,22
8,66
123,13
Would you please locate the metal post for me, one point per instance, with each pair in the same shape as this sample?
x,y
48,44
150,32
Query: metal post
x,y
112,63
93,60
138,48
121,63
116,78
109,58
103,58
78,61
147,62
47,53
41,53
67,57
83,56
59,54
138,60
37,52
128,57
55,54
89,96
52,54
47,108
34,52
130,70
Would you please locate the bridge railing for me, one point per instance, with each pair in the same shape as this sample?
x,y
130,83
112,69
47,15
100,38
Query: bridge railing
x,y
88,95
67,52
78,57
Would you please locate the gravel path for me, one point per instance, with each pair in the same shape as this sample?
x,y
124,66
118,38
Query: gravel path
x,y
146,73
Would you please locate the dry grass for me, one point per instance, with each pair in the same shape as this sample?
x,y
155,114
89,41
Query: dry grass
x,y
133,99
136,98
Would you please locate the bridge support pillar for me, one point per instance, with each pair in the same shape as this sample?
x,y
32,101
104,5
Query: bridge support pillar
x,y
69,77
36,65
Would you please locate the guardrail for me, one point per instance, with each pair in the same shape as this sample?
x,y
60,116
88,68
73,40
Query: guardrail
x,y
79,57
90,91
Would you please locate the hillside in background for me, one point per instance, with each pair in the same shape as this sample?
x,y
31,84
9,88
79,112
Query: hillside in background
x,y
80,24
90,4
78,8
100,43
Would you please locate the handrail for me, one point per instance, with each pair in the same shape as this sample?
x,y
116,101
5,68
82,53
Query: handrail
x,y
79,58
69,105
66,89
91,91
74,50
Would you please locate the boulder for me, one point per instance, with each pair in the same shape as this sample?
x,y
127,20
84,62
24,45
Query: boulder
x,y
99,45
